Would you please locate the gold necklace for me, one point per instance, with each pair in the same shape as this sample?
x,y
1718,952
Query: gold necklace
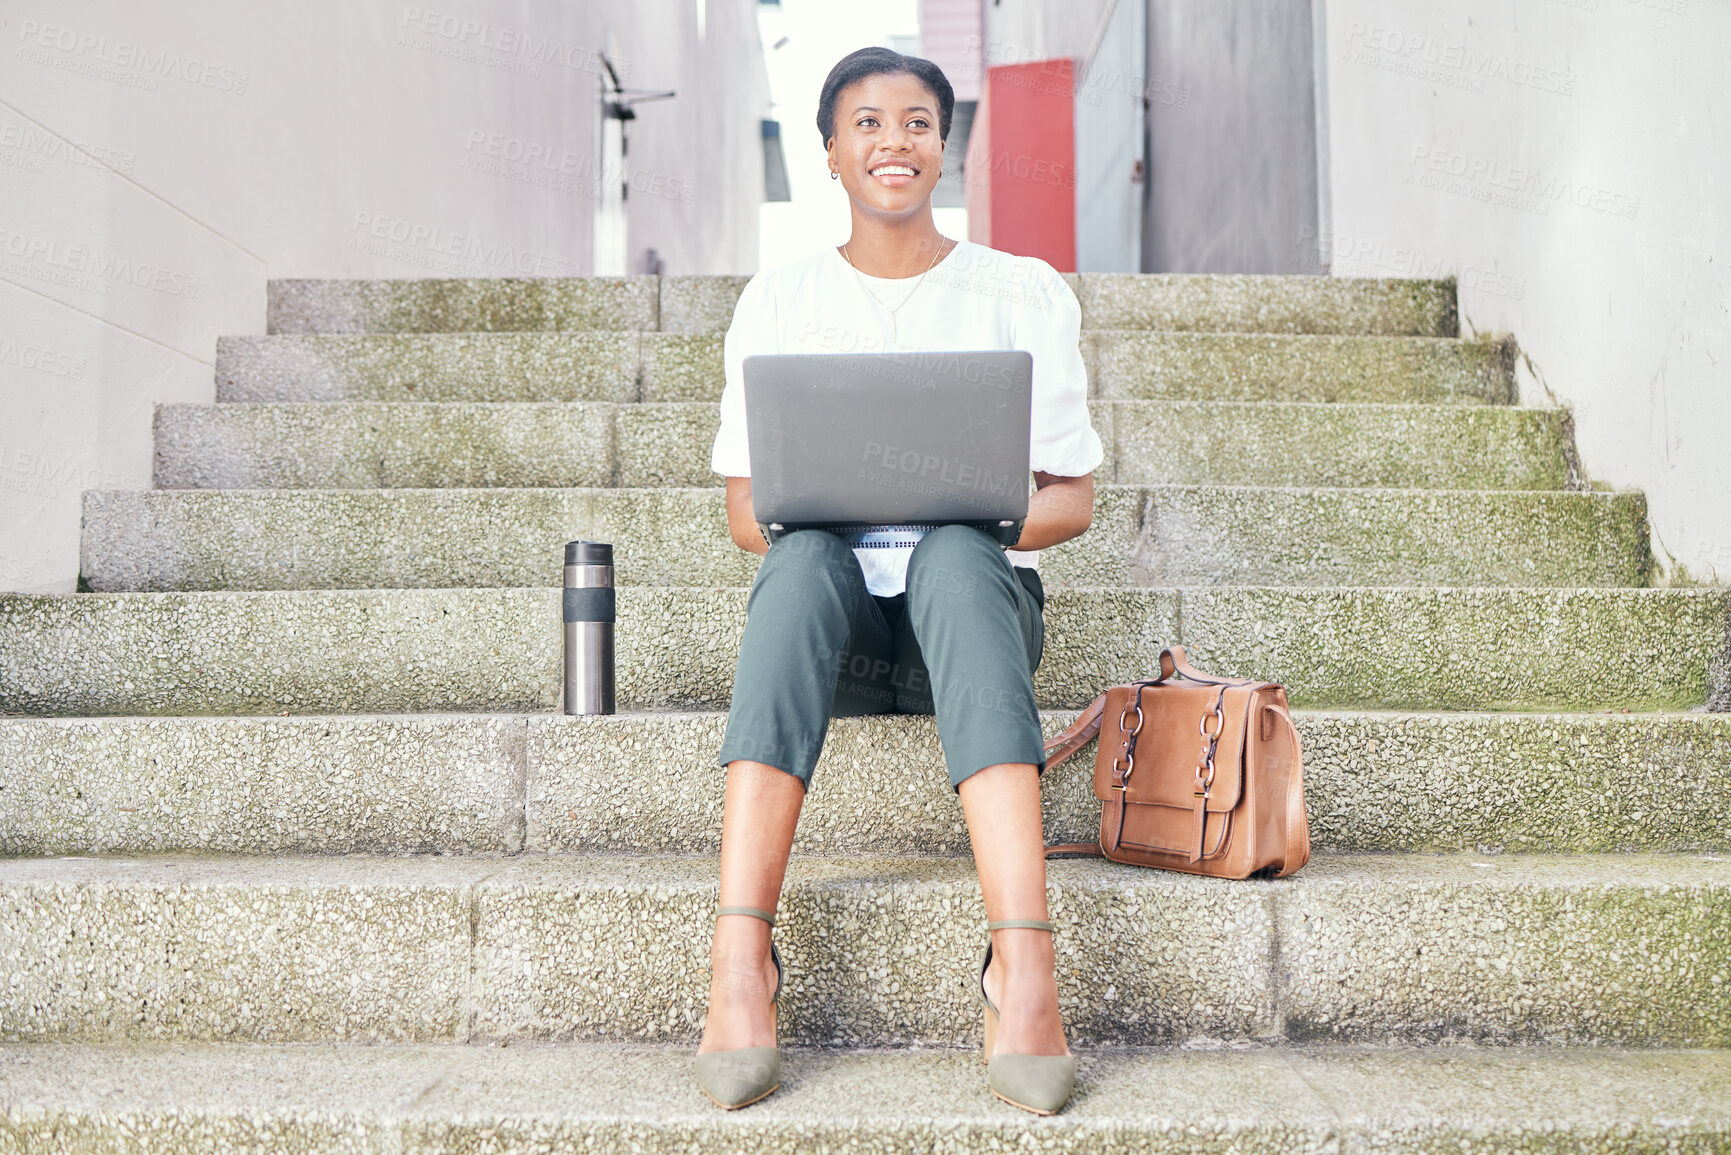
x,y
894,338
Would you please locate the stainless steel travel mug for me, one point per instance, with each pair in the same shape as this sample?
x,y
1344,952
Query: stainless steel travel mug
x,y
588,627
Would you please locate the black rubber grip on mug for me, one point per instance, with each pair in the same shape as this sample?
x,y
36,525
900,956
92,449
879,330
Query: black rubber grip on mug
x,y
589,604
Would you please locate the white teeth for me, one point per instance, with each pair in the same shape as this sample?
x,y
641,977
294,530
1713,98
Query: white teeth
x,y
893,170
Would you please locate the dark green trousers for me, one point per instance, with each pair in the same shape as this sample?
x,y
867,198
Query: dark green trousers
x,y
962,642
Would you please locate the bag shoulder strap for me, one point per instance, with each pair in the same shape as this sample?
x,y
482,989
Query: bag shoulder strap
x,y
1297,825
1077,735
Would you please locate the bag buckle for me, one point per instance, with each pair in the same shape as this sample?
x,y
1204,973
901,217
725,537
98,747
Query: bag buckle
x,y
1125,762
1210,744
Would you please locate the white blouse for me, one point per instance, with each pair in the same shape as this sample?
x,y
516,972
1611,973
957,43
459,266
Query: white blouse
x,y
975,298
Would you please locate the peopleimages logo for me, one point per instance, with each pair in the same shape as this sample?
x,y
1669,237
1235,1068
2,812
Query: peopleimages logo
x,y
473,36
441,249
80,267
562,170
38,474
29,143
932,468
1020,166
1415,49
1353,256
1531,189
95,51
40,358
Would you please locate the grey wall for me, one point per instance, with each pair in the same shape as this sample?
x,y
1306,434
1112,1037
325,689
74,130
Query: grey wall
x,y
1232,140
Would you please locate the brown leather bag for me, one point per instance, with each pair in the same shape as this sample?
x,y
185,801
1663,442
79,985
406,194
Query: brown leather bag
x,y
1232,810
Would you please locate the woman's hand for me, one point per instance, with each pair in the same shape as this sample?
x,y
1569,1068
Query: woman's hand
x,y
741,521
1060,509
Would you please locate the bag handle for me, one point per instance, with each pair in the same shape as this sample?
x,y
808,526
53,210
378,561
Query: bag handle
x,y
1173,661
1087,724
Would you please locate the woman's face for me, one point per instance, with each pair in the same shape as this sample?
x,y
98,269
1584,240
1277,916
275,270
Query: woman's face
x,y
886,145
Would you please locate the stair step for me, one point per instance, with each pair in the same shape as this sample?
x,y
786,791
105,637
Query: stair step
x,y
592,366
478,784
1268,304
386,651
699,304
396,784
1153,536
215,1097
359,445
1211,303
440,305
607,366
1342,444
669,367
1127,365
1265,304
1617,950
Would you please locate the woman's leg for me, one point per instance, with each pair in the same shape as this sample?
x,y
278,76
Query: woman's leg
x,y
758,818
978,630
1002,807
809,618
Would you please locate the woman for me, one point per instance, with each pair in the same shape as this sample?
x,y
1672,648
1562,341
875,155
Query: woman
x,y
955,620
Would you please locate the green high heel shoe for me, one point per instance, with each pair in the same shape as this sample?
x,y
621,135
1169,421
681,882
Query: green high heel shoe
x,y
740,1077
1037,1083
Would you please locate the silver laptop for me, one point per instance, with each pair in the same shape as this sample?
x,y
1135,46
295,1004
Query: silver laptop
x,y
881,447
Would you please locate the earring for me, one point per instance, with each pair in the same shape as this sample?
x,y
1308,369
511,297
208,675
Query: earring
x,y
834,175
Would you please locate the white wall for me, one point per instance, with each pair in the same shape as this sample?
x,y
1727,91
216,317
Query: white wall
x,y
697,159
1570,161
158,162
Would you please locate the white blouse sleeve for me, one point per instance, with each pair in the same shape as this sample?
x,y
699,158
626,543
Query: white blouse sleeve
x,y
753,330
1049,325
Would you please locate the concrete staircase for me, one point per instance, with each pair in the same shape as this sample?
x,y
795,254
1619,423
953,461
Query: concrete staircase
x,y
301,853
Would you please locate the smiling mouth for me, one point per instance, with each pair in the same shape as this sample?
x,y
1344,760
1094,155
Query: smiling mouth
x,y
894,173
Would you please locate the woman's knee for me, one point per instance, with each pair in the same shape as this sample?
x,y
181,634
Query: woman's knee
x,y
805,562
811,552
955,559
750,764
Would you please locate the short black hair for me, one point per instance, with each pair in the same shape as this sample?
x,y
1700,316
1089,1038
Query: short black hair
x,y
871,62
